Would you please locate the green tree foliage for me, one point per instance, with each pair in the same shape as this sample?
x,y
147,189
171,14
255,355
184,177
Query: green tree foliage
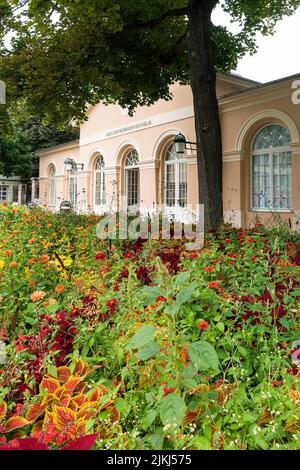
x,y
21,136
65,54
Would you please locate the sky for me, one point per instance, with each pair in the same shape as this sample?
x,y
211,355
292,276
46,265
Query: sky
x,y
278,56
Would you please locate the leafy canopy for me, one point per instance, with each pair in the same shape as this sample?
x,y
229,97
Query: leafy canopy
x,y
65,54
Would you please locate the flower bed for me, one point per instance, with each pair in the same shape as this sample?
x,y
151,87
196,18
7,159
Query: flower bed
x,y
144,345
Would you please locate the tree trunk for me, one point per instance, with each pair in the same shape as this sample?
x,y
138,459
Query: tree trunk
x,y
207,122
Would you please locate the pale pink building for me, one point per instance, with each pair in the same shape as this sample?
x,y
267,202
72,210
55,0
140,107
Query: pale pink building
x,y
122,160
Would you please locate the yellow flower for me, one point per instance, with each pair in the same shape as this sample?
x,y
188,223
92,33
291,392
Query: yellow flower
x,y
2,264
67,261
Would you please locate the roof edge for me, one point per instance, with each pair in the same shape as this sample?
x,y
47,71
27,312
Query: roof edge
x,y
71,144
259,86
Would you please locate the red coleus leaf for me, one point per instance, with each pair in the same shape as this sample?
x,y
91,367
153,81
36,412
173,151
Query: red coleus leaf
x,y
72,383
15,422
63,417
31,443
50,384
63,373
34,412
82,443
3,409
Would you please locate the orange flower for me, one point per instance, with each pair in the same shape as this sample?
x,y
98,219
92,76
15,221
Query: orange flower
x,y
44,259
13,264
52,301
38,295
31,240
7,253
32,261
60,289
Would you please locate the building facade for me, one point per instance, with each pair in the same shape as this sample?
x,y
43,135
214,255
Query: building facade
x,y
12,190
131,161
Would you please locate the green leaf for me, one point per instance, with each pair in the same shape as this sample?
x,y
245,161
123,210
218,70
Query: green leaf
x,y
157,440
221,327
172,409
149,418
185,294
52,371
248,418
151,293
211,395
142,337
203,355
149,350
202,443
181,278
122,406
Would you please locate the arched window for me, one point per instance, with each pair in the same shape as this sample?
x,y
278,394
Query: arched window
x,y
271,169
132,178
73,195
100,197
52,186
175,179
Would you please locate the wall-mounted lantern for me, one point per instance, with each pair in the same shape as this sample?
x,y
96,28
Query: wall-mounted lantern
x,y
70,165
181,144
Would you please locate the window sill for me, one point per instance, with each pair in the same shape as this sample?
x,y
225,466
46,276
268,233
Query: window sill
x,y
269,211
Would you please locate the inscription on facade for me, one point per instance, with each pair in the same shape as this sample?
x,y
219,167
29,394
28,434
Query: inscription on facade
x,y
130,128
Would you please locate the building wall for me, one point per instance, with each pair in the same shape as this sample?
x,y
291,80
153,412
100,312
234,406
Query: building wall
x,y
12,191
242,117
110,132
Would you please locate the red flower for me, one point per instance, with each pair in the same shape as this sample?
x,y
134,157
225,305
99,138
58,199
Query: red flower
x,y
213,284
209,269
100,255
277,383
112,306
254,258
169,390
227,240
160,298
125,272
203,325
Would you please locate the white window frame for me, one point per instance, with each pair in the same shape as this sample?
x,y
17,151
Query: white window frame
x,y
53,186
73,187
4,188
132,167
270,152
176,162
99,172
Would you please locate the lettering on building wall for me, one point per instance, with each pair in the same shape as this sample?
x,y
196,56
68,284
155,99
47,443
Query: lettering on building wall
x,y
296,93
132,127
